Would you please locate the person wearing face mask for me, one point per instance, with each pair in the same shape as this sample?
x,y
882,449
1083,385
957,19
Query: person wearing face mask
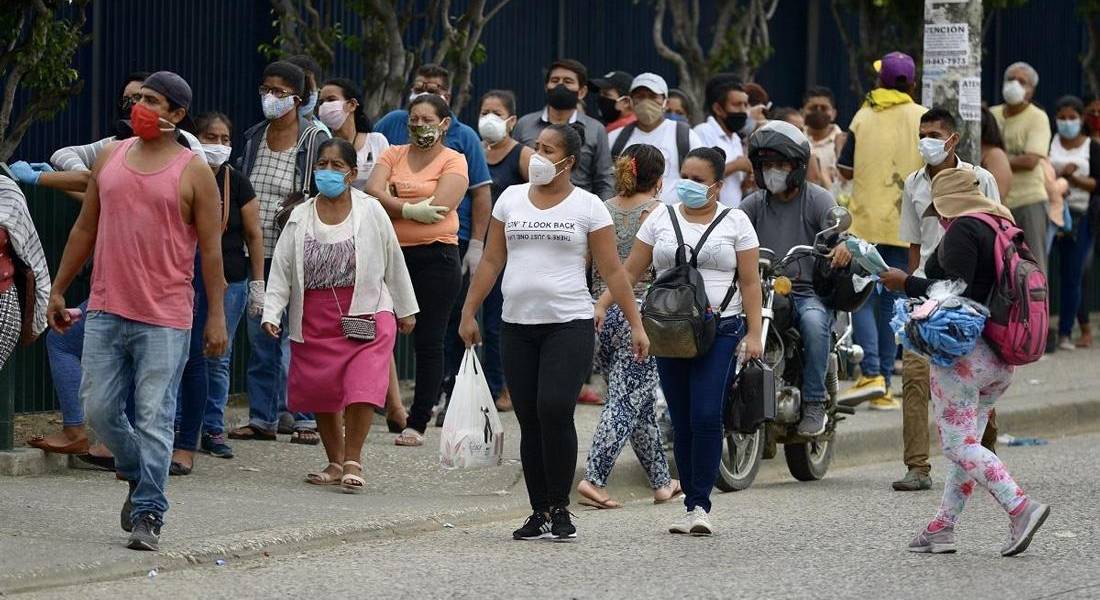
x,y
420,185
760,106
695,388
341,110
728,106
473,211
881,150
312,91
939,139
1026,132
614,99
566,86
648,96
789,211
1075,158
545,231
339,260
509,165
204,389
826,137
277,160
680,107
155,203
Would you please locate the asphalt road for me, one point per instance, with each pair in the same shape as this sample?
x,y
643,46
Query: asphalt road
x,y
843,537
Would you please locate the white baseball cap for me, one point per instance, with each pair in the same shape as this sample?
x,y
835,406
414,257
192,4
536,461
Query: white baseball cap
x,y
651,81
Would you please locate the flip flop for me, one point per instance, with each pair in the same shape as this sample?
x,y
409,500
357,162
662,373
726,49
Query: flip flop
x,y
677,492
106,463
75,447
250,432
409,437
597,503
177,468
306,437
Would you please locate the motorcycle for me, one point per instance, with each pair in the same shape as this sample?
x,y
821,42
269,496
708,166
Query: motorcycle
x,y
807,458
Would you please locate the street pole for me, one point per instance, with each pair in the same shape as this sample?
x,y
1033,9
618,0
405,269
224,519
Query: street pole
x,y
952,73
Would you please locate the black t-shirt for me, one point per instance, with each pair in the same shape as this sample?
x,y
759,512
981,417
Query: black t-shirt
x,y
240,193
966,253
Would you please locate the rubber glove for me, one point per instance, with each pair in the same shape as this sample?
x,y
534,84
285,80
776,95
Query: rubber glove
x,y
255,298
24,172
473,256
424,212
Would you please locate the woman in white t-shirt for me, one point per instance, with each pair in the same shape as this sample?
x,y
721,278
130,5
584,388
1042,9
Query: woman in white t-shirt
x,y
544,231
1072,158
695,388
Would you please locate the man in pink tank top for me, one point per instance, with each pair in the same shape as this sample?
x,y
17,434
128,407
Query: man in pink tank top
x,y
149,203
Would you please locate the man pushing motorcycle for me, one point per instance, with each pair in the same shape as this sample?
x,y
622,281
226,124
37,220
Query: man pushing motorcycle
x,y
789,211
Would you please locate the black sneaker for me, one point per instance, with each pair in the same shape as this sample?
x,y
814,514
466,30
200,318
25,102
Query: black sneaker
x,y
124,518
813,420
146,534
561,525
215,445
536,527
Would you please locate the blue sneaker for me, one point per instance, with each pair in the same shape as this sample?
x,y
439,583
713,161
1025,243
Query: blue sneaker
x,y
214,445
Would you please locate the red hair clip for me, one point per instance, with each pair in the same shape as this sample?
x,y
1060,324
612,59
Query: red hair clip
x,y
634,166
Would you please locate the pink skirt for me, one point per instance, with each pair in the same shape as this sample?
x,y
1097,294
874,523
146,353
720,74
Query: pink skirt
x,y
327,370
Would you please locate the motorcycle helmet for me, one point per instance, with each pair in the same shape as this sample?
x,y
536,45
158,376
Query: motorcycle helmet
x,y
835,286
779,140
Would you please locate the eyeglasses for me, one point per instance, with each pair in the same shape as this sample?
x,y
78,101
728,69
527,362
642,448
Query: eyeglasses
x,y
277,92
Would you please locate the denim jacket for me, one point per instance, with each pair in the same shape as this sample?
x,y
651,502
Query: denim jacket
x,y
309,139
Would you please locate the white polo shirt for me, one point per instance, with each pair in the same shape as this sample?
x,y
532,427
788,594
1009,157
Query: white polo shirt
x,y
916,197
664,139
712,134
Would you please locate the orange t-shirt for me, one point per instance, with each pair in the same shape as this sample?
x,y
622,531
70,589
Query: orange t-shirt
x,y
421,184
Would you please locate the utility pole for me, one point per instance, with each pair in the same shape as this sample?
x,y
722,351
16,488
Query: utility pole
x,y
952,73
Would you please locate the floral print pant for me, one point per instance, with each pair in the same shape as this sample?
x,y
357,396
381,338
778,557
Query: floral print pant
x,y
629,414
962,396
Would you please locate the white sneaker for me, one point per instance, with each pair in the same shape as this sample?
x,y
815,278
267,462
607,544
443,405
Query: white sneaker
x,y
683,524
700,523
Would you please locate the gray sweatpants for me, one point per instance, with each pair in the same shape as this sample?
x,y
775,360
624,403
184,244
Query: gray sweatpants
x,y
1032,218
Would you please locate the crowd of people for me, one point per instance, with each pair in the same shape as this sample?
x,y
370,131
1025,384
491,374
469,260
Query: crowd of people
x,y
536,237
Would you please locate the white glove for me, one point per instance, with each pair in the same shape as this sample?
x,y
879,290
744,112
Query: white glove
x,y
424,212
255,298
473,256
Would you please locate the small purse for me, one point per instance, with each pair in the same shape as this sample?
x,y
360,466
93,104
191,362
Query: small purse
x,y
362,329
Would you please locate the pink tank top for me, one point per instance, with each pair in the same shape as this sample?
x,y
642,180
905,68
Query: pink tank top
x,y
144,252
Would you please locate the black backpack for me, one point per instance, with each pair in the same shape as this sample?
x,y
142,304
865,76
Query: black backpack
x,y
676,313
683,140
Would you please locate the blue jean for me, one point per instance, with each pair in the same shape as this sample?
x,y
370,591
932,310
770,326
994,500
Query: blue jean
x,y
266,379
120,354
1073,249
815,324
191,398
217,369
695,390
871,323
64,351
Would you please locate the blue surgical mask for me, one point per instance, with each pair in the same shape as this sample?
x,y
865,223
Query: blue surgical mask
x,y
330,183
1069,128
692,193
306,109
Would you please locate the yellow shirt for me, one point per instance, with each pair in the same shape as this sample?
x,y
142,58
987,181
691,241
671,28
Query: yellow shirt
x,y
886,153
1025,133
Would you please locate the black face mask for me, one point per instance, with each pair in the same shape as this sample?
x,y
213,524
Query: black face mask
x,y
607,109
561,98
817,119
735,121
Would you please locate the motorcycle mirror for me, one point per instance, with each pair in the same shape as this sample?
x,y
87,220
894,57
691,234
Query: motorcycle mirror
x,y
838,219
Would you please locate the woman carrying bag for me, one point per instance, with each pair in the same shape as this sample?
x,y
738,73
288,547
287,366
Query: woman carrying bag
x,y
340,269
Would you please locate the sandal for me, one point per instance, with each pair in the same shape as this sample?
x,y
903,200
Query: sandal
x,y
251,432
588,492
410,437
307,437
322,477
104,463
351,483
677,491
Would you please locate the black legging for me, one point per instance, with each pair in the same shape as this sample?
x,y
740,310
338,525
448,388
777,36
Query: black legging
x,y
545,366
436,275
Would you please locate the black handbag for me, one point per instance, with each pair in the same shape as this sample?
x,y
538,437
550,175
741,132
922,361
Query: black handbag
x,y
750,401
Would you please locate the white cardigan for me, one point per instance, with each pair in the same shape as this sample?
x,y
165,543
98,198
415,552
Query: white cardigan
x,y
379,263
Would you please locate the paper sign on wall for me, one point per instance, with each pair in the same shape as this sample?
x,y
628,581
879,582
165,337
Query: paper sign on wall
x,y
970,98
946,45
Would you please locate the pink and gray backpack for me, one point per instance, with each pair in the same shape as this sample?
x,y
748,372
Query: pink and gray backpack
x,y
1018,306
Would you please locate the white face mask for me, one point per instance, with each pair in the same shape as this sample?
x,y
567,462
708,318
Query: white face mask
x,y
775,180
216,154
492,128
332,114
541,171
1013,92
933,151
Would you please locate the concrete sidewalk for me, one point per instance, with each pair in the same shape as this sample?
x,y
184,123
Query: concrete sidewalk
x,y
62,528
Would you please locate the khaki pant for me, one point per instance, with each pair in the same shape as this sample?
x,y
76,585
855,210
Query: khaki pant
x,y
914,415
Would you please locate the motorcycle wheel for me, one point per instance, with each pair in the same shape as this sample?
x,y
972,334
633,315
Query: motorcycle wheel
x,y
741,457
809,461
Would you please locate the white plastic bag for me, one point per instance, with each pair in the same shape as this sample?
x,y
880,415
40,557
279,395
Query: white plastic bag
x,y
473,435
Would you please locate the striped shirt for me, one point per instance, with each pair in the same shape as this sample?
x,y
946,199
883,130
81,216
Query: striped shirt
x,y
15,217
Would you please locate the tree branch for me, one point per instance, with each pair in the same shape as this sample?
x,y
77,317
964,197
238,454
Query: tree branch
x,y
658,38
854,81
721,26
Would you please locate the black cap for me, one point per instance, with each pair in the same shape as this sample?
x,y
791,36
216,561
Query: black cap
x,y
617,80
171,86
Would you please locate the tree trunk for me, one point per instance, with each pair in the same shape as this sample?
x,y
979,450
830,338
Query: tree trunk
x,y
952,73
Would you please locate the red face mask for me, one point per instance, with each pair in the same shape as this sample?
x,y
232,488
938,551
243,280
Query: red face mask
x,y
1093,122
145,122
